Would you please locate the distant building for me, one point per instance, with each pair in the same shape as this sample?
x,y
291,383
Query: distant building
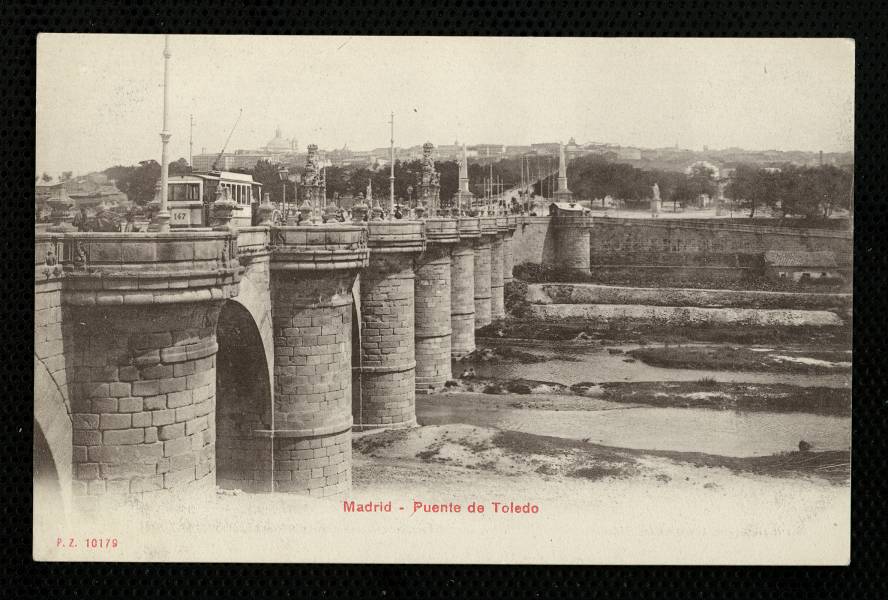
x,y
277,150
281,145
494,151
552,148
625,153
518,150
800,266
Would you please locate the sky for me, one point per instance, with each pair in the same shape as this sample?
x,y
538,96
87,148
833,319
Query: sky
x,y
100,97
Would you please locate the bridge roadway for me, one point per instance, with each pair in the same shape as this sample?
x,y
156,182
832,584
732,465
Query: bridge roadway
x,y
245,358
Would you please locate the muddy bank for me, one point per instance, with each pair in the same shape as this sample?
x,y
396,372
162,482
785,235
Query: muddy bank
x,y
731,358
486,385
681,315
516,453
588,293
831,465
506,353
725,396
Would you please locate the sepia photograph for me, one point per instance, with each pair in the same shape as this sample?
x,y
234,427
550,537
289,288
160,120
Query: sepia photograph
x,y
478,300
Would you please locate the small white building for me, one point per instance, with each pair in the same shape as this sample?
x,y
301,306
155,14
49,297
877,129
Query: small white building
x,y
798,265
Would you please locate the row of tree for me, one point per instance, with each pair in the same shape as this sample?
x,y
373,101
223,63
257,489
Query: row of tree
x,y
809,192
789,190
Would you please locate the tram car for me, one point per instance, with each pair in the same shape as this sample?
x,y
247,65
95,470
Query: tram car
x,y
191,197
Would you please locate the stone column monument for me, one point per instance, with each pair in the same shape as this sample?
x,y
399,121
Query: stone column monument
x,y
562,193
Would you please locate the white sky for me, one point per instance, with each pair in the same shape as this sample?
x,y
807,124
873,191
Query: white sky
x,y
99,97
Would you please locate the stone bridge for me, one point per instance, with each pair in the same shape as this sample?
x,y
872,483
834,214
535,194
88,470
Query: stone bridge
x,y
245,358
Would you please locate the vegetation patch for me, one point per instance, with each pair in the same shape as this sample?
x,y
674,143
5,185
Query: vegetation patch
x,y
632,331
730,396
732,358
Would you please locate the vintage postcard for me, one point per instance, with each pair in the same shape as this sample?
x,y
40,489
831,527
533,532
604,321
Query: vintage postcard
x,y
443,300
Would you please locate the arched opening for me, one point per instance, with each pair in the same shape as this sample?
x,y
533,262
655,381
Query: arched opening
x,y
49,504
243,403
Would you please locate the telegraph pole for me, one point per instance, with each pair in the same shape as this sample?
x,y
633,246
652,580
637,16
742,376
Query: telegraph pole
x,y
392,172
191,141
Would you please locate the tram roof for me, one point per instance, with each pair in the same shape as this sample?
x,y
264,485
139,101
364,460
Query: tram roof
x,y
216,176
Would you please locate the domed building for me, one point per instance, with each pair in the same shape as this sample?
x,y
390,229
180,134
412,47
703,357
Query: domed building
x,y
279,144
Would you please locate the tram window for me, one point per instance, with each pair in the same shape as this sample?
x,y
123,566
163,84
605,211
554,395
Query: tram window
x,y
182,192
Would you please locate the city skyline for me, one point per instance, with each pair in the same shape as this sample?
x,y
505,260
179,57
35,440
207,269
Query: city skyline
x,y
97,107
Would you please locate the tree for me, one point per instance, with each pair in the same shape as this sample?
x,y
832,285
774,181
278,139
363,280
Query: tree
x,y
180,167
46,177
753,187
138,183
268,174
66,175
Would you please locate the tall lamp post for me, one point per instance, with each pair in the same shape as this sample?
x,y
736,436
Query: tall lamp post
x,y
392,172
162,219
284,176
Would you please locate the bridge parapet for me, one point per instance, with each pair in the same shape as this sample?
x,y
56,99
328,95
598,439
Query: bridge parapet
x,y
396,236
319,247
141,268
572,221
441,230
488,225
469,227
253,241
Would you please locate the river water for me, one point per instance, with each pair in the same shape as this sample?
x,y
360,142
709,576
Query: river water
x,y
721,432
570,366
725,433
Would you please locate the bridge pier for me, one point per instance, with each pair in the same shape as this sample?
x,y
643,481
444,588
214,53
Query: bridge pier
x,y
387,367
497,306
483,269
462,288
140,349
508,250
313,270
433,305
573,248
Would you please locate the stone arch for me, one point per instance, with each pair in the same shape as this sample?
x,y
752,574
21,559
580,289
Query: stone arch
x,y
254,295
243,402
356,350
53,446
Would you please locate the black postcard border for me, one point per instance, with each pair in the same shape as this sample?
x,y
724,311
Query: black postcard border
x,y
863,21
